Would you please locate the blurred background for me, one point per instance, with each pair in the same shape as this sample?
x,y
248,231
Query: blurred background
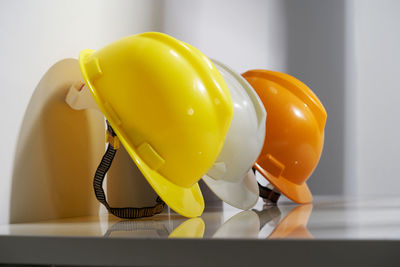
x,y
347,52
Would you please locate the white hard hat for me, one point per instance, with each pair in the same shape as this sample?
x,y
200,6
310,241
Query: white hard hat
x,y
231,178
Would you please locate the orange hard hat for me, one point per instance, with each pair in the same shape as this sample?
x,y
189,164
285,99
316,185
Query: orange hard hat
x,y
294,132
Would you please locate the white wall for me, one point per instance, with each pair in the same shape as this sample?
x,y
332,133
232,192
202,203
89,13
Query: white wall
x,y
242,34
35,35
377,57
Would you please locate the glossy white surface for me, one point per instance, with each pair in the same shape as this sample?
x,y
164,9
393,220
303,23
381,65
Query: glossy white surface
x,y
375,218
231,178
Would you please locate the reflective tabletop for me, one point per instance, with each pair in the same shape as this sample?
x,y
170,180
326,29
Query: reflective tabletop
x,y
359,230
327,218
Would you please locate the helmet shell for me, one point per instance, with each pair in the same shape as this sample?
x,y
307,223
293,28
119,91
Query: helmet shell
x,y
168,105
294,132
229,178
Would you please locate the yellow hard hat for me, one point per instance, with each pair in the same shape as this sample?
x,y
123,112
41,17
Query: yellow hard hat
x,y
168,105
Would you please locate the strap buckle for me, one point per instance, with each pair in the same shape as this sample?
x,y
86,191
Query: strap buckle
x,y
111,137
112,140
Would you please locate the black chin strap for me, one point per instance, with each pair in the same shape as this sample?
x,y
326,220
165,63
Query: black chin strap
x,y
267,194
102,169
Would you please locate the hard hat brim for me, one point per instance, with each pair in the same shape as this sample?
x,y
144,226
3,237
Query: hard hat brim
x,y
242,194
298,193
188,202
